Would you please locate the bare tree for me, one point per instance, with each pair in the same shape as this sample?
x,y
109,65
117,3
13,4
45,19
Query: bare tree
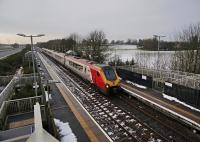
x,y
96,47
77,40
188,60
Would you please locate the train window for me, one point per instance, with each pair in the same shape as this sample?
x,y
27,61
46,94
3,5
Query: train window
x,y
75,65
98,74
109,73
85,69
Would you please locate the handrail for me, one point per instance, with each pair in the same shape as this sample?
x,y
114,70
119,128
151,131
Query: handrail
x,y
18,106
5,94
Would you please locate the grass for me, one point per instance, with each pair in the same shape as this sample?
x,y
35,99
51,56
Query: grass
x,y
27,69
25,92
9,65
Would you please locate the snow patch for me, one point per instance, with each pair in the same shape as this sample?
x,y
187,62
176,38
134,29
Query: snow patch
x,y
178,101
189,121
65,131
135,84
144,77
168,84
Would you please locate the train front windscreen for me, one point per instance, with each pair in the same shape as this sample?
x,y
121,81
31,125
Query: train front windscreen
x,y
109,73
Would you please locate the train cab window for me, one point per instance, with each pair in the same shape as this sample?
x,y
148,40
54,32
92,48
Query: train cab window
x,y
98,74
109,73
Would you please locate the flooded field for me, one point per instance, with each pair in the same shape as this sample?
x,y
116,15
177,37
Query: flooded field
x,y
143,58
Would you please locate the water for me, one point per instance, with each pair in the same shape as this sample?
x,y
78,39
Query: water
x,y
150,59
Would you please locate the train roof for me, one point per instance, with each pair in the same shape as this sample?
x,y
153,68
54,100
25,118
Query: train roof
x,y
86,62
83,61
80,60
102,65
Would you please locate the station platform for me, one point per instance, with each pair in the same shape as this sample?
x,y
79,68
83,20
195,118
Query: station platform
x,y
171,108
66,108
62,111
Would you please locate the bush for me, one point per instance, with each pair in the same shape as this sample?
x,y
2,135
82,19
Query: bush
x,y
9,65
25,91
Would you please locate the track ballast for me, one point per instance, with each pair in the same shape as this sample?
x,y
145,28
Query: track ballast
x,y
122,118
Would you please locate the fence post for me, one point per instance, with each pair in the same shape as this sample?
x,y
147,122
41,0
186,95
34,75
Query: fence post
x,y
18,105
31,105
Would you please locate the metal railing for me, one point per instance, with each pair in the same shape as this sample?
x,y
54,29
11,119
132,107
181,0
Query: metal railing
x,y
18,106
4,80
22,105
190,80
8,90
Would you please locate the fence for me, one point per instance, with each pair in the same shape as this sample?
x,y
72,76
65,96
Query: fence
x,y
135,77
4,80
182,78
18,106
8,91
181,85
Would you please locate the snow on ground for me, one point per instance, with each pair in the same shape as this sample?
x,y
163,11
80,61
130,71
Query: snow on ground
x,y
65,131
164,108
135,84
178,101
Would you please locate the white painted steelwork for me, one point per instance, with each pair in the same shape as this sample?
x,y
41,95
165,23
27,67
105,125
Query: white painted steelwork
x,y
40,135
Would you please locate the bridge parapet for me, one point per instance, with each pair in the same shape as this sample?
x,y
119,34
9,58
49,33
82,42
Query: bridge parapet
x,y
18,106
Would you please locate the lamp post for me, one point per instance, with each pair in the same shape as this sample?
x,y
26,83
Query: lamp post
x,y
31,36
158,36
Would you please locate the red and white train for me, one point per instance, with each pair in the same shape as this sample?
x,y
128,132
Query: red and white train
x,y
103,76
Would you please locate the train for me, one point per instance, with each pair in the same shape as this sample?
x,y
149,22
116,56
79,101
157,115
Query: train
x,y
103,76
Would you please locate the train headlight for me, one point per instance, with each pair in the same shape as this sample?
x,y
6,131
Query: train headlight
x,y
107,86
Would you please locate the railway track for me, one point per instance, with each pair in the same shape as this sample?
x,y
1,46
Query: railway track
x,y
156,120
117,119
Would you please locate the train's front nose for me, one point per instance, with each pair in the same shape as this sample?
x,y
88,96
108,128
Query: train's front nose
x,y
113,87
111,79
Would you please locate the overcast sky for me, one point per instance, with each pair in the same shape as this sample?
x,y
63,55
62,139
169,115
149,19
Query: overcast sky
x,y
119,19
